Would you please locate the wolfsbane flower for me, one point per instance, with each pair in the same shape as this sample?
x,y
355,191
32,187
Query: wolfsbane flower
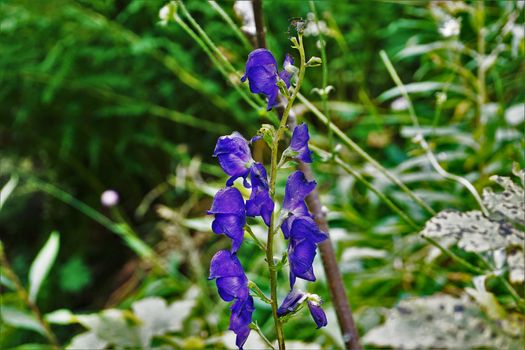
x,y
230,215
260,202
304,237
297,188
299,143
295,298
262,74
234,157
232,284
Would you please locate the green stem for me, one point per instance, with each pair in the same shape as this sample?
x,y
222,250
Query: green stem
x,y
455,257
232,25
420,139
370,186
257,241
122,229
206,44
256,328
22,294
354,146
273,177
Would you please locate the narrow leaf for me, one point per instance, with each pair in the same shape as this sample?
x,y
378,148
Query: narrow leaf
x,y
8,189
42,264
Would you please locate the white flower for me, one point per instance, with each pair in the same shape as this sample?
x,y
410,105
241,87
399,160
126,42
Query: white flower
x,y
109,198
313,28
167,12
450,27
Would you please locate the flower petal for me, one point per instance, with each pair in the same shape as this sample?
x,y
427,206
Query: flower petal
x,y
299,143
317,314
232,226
291,302
240,319
225,264
297,188
234,156
232,287
260,202
228,201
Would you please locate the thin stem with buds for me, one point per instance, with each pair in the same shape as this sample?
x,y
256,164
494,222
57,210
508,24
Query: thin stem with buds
x,y
273,176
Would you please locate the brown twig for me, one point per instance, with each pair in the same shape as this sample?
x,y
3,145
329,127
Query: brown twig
x,y
333,275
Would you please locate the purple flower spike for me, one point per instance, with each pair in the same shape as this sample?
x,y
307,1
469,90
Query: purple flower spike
x,y
260,202
231,281
261,72
241,317
297,188
291,302
230,216
286,75
304,236
317,314
234,156
299,143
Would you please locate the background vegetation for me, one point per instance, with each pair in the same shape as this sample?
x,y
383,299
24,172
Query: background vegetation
x,y
98,95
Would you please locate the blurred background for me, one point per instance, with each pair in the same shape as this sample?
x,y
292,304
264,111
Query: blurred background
x,y
103,95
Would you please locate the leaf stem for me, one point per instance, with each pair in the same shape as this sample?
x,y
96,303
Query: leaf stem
x,y
354,146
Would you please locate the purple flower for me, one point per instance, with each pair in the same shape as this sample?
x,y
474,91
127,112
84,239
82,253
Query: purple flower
x,y
299,143
261,72
231,281
234,157
230,215
291,302
286,75
240,319
260,202
304,236
317,313
232,284
297,188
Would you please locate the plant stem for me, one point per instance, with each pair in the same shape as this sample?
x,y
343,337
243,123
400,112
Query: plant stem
x,y
273,177
420,139
257,241
122,229
22,294
354,146
232,25
370,186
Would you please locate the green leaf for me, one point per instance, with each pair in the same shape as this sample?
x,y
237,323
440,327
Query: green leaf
x,y
7,189
425,87
42,264
21,319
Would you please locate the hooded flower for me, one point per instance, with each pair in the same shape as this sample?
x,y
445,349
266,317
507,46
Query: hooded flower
x,y
295,298
291,302
260,202
240,319
317,313
286,73
299,143
232,284
230,215
304,236
297,188
261,72
234,157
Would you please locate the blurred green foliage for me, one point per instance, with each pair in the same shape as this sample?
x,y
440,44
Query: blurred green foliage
x,y
98,95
